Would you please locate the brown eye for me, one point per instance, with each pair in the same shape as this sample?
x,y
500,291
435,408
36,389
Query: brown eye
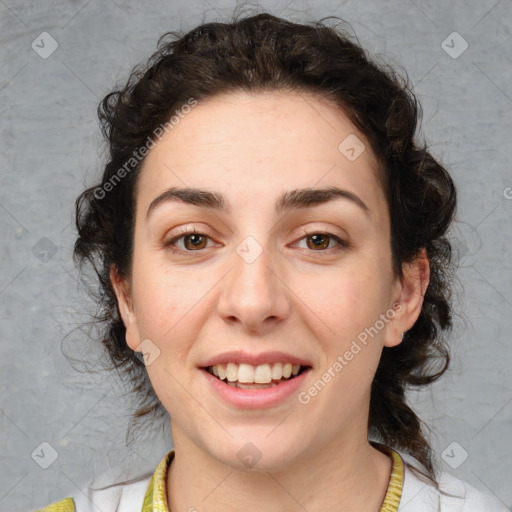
x,y
197,241
319,241
323,243
187,242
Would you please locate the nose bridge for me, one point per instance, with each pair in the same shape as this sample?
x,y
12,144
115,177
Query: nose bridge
x,y
252,292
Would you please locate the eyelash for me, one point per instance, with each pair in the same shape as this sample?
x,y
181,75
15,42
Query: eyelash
x,y
342,244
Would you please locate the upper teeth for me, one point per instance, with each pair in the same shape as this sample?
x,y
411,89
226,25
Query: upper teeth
x,y
262,374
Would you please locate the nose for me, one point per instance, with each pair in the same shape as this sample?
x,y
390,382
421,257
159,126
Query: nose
x,y
254,295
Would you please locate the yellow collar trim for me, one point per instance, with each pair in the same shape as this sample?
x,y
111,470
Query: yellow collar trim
x,y
155,499
396,482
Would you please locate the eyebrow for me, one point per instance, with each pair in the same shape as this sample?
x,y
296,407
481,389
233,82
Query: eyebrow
x,y
293,199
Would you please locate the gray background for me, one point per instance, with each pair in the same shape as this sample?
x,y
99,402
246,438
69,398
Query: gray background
x,y
51,147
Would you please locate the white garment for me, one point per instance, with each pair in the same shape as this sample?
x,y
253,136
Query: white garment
x,y
417,495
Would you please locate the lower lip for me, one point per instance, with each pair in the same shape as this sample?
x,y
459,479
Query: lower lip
x,y
256,398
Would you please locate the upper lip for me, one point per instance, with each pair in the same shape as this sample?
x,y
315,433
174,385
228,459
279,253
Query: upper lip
x,y
238,356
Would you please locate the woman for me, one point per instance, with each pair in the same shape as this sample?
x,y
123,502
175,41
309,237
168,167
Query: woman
x,y
269,239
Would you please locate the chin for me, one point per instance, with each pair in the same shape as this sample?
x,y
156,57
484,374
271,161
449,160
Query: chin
x,y
258,453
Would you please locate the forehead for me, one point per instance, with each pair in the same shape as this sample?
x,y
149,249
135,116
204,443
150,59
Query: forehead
x,y
253,145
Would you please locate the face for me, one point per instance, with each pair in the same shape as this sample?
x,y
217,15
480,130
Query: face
x,y
254,266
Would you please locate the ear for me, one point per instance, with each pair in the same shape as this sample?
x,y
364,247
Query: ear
x,y
125,305
409,297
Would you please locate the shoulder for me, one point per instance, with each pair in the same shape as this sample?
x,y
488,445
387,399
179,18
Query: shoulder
x,y
116,489
121,497
454,495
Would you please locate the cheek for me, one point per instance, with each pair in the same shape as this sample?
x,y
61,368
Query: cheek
x,y
348,305
156,303
169,303
346,299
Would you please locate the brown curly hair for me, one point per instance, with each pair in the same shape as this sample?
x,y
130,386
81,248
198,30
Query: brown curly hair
x,y
264,52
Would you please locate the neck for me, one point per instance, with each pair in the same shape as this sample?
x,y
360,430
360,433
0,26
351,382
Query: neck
x,y
338,476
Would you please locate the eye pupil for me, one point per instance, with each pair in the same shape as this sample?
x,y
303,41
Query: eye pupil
x,y
320,240
195,239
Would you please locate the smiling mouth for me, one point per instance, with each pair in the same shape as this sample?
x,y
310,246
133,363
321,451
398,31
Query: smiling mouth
x,y
255,385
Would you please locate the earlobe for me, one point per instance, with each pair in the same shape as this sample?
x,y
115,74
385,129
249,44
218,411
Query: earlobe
x,y
125,305
413,285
